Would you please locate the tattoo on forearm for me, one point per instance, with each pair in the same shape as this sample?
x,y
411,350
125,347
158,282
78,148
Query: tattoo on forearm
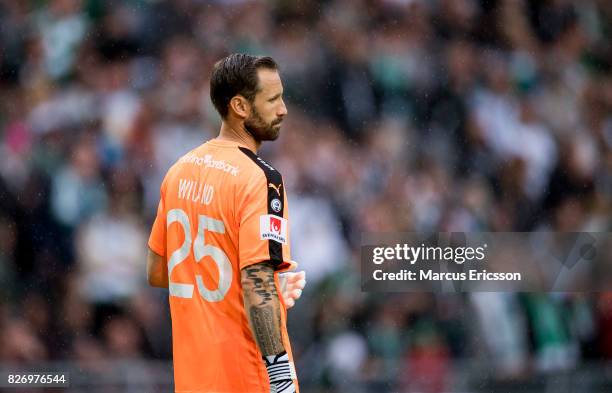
x,y
262,279
267,330
263,308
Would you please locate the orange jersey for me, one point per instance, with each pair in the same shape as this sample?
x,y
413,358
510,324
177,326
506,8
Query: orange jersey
x,y
222,208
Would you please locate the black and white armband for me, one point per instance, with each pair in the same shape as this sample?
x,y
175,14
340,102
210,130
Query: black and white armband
x,y
281,372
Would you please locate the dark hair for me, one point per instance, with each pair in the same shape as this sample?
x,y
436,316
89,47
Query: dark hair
x,y
236,74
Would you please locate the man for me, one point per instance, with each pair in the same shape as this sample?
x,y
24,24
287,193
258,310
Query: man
x,y
220,239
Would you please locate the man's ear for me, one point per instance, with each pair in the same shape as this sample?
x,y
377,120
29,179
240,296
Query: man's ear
x,y
241,106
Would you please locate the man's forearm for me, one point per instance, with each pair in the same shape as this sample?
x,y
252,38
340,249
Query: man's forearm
x,y
262,307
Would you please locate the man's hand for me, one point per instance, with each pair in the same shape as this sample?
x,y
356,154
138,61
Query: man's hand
x,y
292,285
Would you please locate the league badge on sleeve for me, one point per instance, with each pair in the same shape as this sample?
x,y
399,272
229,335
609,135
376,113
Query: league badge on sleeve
x,y
273,228
276,205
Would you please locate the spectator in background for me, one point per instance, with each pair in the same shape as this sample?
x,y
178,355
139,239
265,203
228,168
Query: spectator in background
x,y
110,267
77,189
62,27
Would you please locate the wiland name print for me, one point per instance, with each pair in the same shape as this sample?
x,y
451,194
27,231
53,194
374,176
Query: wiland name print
x,y
194,191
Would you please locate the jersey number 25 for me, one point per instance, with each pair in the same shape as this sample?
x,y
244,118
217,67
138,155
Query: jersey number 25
x,y
200,250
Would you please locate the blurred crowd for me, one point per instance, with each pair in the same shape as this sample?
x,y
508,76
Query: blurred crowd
x,y
404,115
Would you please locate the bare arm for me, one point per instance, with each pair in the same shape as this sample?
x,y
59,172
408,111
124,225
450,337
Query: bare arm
x,y
157,271
262,307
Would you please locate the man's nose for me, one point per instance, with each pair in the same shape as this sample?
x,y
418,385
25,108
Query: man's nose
x,y
282,110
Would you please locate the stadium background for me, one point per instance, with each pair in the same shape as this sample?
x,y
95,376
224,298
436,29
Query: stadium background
x,y
404,115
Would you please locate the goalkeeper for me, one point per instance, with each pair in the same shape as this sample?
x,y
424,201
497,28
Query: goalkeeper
x,y
220,240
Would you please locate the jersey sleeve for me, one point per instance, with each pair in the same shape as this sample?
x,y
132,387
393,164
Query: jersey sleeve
x,y
263,223
157,239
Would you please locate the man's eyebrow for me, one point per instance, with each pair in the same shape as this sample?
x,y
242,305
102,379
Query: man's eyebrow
x,y
276,96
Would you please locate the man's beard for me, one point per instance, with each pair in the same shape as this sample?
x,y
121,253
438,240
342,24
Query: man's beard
x,y
260,130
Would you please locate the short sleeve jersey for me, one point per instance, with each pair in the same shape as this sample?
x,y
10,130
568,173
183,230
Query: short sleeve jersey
x,y
221,208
